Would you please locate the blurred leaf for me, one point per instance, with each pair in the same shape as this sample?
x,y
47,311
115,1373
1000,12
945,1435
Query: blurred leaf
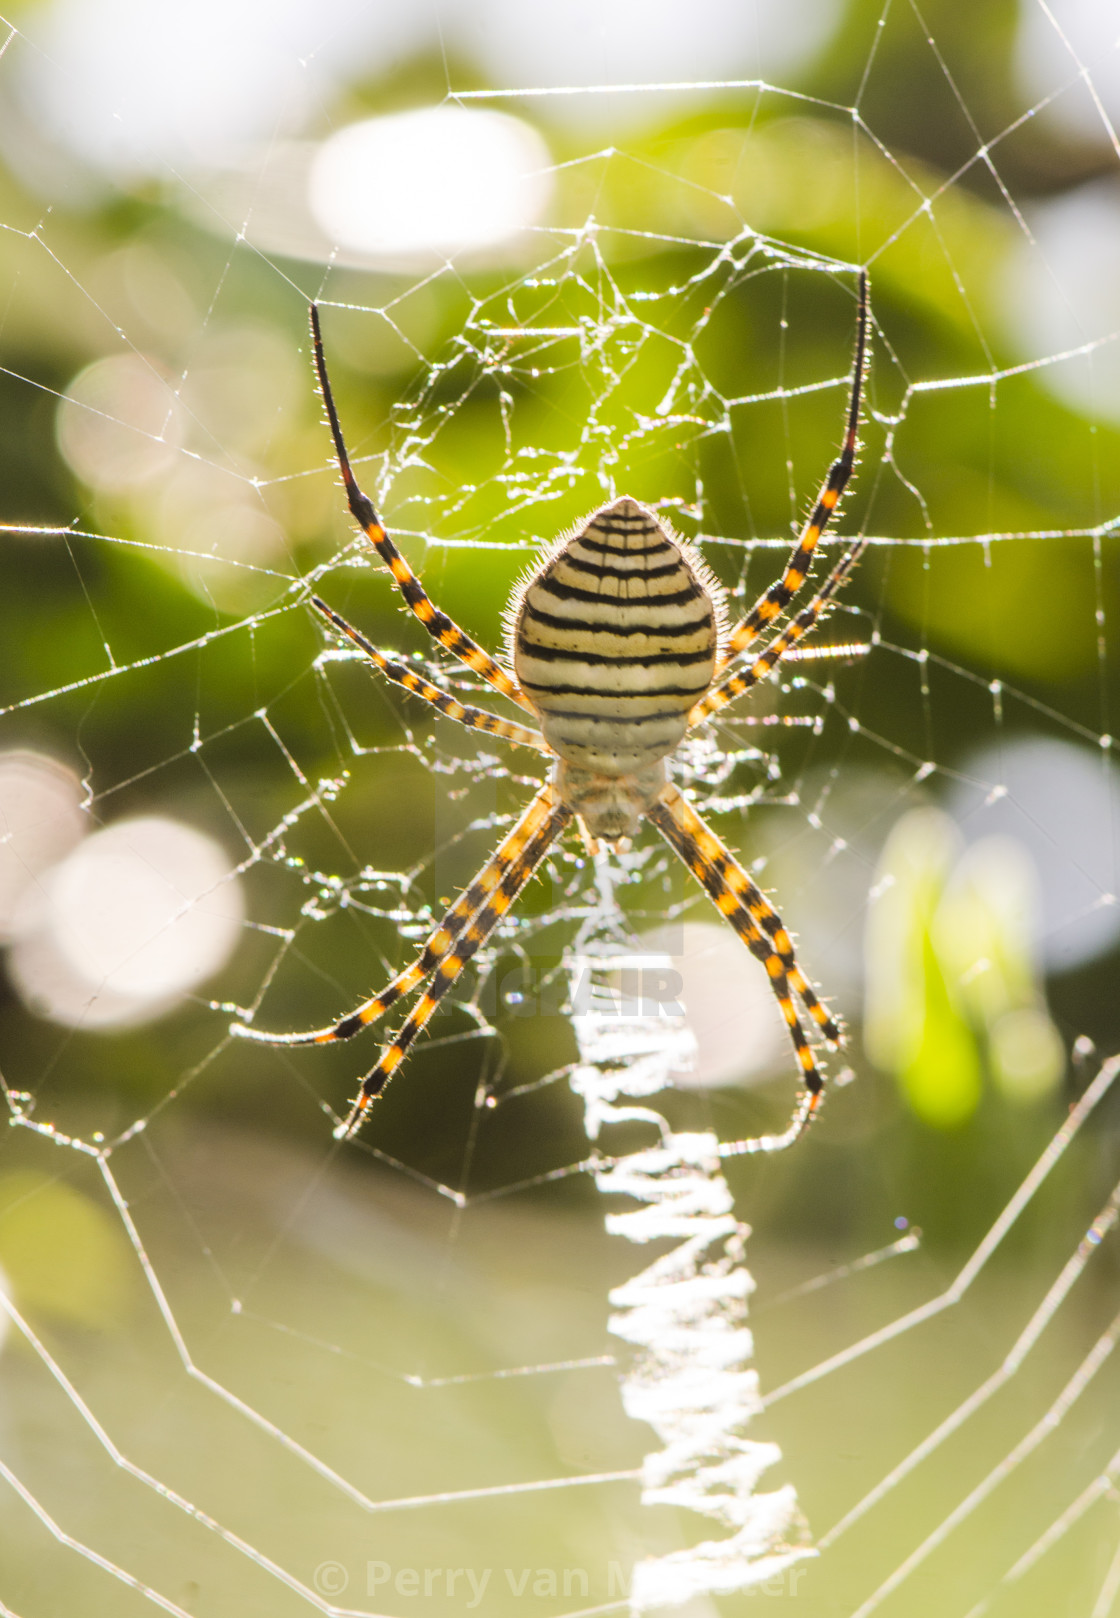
x,y
941,1080
62,1255
952,976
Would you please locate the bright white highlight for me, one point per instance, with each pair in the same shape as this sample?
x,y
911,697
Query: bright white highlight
x,y
1056,41
130,88
1061,295
437,181
728,1005
1062,803
124,926
41,819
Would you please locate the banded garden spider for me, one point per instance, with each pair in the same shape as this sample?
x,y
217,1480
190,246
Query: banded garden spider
x,y
619,647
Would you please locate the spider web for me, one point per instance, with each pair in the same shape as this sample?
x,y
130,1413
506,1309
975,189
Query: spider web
x,y
249,1369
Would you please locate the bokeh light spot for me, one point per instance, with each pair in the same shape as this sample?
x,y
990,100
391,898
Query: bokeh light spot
x,y
1061,801
728,1004
130,921
118,424
434,181
41,819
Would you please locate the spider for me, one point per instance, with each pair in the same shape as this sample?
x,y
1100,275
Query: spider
x,y
619,647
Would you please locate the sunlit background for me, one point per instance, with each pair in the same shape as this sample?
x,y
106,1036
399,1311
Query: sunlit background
x,y
490,198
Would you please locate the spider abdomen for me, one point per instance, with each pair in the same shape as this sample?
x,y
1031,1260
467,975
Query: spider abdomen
x,y
614,640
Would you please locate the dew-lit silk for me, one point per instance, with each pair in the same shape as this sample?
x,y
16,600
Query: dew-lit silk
x,y
614,640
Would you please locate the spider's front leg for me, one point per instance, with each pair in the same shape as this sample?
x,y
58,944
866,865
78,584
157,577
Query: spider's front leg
x,y
779,649
777,598
441,628
450,707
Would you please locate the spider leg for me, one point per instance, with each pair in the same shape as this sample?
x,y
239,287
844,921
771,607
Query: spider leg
x,y
762,913
401,674
775,600
779,648
442,941
512,870
846,651
437,623
760,928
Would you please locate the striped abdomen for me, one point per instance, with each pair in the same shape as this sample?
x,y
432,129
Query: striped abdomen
x,y
614,640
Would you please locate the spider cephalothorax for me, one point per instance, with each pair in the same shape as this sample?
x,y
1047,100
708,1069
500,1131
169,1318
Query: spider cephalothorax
x,y
619,647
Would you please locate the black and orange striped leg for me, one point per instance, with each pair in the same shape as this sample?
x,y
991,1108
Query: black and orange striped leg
x,y
444,939
758,924
779,648
773,603
515,873
748,893
401,674
441,628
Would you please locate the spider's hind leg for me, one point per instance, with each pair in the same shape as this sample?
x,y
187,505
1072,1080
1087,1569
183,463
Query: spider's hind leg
x,y
514,863
439,946
760,927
